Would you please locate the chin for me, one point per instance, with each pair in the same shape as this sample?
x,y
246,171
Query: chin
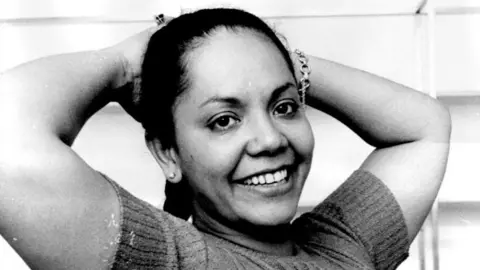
x,y
273,217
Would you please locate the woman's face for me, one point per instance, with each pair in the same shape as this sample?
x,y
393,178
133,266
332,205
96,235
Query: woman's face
x,y
245,144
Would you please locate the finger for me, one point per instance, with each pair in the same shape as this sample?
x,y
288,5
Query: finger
x,y
168,19
162,19
153,29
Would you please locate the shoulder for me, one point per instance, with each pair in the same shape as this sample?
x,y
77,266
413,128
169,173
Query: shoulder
x,y
150,235
360,221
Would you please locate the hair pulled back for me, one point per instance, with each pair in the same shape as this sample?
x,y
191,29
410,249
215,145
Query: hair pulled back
x,y
164,78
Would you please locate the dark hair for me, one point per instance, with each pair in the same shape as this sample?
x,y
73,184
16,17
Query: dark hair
x,y
166,57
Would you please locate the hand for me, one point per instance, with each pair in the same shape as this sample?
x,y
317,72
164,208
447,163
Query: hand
x,y
130,53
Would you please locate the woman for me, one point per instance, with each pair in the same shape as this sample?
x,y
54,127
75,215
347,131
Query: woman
x,y
223,118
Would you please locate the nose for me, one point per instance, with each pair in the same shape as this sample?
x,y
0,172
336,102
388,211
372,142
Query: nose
x,y
266,137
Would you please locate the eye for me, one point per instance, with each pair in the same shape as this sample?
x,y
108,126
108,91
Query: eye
x,y
286,109
223,123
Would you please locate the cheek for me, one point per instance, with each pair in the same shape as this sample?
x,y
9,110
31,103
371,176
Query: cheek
x,y
302,139
207,166
309,139
206,161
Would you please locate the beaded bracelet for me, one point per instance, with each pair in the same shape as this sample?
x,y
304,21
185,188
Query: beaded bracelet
x,y
304,83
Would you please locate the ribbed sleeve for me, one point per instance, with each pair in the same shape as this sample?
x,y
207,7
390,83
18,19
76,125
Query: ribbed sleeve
x,y
153,239
360,217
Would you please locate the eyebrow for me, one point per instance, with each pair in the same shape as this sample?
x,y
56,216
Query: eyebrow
x,y
235,102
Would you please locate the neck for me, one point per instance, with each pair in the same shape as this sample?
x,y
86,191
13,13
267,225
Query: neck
x,y
267,239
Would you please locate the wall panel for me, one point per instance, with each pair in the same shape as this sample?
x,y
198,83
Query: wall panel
x,y
458,54
461,179
24,42
386,46
463,6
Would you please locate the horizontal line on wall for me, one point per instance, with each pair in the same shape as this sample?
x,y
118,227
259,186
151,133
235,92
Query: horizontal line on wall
x,y
341,15
460,101
72,20
107,20
454,10
455,93
115,20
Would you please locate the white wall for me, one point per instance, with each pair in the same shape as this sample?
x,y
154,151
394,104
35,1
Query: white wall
x,y
390,46
131,10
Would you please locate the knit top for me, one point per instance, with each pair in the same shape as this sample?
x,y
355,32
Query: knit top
x,y
359,226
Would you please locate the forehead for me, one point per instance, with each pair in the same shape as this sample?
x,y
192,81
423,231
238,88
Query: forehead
x,y
235,63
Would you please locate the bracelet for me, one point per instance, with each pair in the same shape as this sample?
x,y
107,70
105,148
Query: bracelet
x,y
304,83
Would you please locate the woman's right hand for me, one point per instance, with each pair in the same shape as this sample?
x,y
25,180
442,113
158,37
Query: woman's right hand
x,y
130,53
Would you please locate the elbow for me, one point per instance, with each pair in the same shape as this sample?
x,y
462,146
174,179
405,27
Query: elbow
x,y
440,124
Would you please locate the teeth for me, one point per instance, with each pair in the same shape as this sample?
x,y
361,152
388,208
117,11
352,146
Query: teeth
x,y
261,179
278,176
268,178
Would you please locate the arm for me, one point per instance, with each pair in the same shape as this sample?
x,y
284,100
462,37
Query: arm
x,y
409,130
57,212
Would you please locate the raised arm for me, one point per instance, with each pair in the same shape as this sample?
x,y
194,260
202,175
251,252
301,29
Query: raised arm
x,y
410,131
56,211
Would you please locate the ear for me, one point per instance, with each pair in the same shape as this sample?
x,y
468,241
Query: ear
x,y
167,158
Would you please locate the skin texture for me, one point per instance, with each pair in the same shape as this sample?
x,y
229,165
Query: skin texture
x,y
247,124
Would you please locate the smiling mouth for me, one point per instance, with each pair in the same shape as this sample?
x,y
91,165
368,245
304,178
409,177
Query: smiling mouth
x,y
267,179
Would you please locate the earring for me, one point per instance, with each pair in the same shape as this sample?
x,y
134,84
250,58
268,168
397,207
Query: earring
x,y
171,176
